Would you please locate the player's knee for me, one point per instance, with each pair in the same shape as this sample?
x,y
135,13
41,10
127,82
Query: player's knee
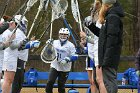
x,y
99,80
92,82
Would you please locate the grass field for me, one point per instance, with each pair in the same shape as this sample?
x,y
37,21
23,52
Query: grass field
x,y
81,90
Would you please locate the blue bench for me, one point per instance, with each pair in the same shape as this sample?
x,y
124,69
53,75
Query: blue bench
x,y
75,76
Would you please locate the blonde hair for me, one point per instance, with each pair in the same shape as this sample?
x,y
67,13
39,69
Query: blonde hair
x,y
103,11
95,13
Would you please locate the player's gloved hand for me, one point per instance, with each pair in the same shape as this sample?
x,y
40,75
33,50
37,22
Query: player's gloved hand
x,y
88,21
65,61
138,72
50,41
74,57
32,44
23,43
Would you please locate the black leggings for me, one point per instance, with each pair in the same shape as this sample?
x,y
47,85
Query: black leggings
x,y
62,77
19,77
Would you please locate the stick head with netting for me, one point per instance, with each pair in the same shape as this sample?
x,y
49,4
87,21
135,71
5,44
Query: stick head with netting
x,y
49,53
59,7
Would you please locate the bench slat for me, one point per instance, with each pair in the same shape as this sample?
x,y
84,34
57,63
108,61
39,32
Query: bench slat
x,y
75,76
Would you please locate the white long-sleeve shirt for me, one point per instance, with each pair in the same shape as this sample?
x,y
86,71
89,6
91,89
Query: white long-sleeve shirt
x,y
22,54
9,54
13,54
63,51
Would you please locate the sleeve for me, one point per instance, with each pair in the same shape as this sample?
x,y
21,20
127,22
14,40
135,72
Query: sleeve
x,y
1,43
72,49
5,37
137,60
94,29
72,53
16,43
4,27
90,37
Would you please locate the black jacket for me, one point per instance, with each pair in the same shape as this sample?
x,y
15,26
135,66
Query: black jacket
x,y
110,37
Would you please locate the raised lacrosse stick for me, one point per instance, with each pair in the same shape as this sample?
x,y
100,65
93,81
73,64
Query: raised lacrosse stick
x,y
59,7
54,16
49,53
76,13
30,3
46,2
43,4
39,9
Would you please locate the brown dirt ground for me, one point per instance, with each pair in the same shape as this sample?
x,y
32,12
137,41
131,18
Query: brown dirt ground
x,y
81,90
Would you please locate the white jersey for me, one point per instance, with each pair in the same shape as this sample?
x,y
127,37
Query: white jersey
x,y
93,53
93,50
63,51
22,54
1,54
9,54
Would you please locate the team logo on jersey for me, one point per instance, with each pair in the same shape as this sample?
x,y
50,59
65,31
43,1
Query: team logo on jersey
x,y
11,67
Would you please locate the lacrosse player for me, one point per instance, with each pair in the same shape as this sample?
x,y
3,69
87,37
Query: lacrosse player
x,y
60,67
13,58
92,42
22,54
110,39
4,44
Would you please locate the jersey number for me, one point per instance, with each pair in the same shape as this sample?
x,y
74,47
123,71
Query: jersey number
x,y
58,56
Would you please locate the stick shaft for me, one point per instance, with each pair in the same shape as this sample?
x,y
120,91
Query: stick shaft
x,y
79,18
34,22
5,8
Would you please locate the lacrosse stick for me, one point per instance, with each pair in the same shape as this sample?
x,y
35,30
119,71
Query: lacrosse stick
x,y
78,49
67,25
39,9
53,15
75,12
94,7
59,7
38,24
49,53
5,8
30,3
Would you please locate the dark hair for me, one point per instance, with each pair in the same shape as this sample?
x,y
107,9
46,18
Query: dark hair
x,y
6,18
